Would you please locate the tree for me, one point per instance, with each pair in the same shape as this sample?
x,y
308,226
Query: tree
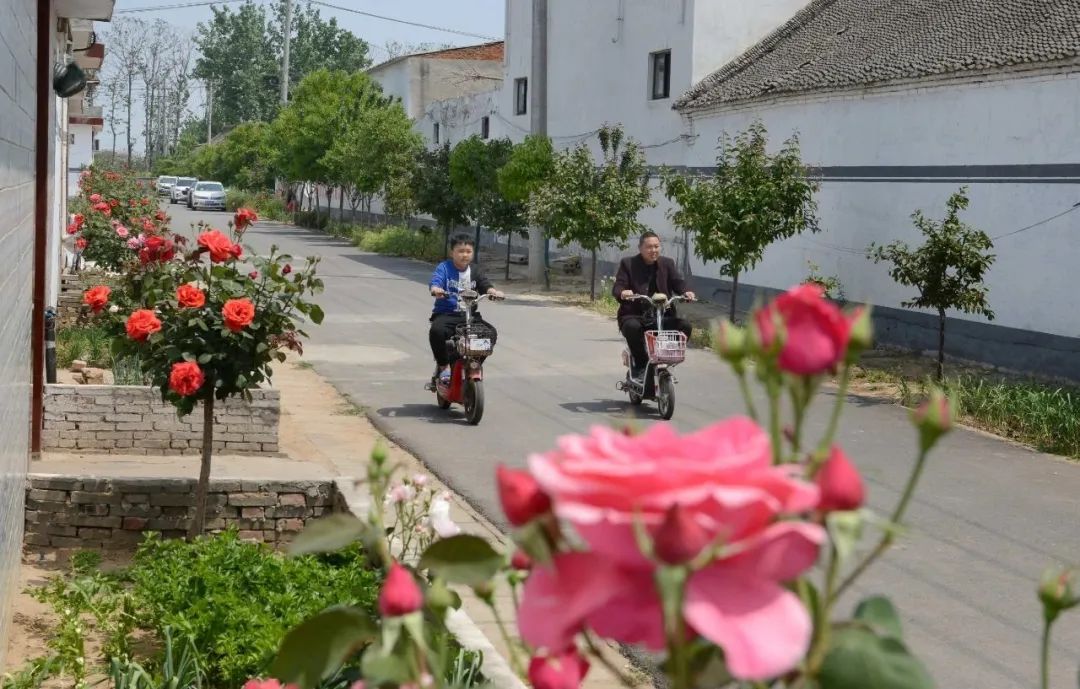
x,y
316,43
238,61
753,200
595,205
435,194
394,49
126,39
947,270
375,155
474,172
530,167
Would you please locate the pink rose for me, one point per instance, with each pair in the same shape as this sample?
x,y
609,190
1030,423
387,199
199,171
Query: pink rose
x,y
816,330
840,484
134,243
121,231
722,477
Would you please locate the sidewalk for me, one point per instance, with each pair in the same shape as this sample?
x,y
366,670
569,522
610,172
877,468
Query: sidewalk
x,y
324,437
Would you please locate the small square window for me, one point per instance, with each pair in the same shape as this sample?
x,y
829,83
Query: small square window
x,y
71,139
97,144
521,96
660,74
435,133
485,127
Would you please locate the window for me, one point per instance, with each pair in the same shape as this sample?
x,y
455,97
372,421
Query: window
x,y
97,144
71,139
521,96
660,74
485,127
435,133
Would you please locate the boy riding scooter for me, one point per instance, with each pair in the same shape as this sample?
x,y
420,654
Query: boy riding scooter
x,y
452,276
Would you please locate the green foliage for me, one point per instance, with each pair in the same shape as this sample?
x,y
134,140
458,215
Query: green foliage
x,y
834,289
401,241
89,343
947,270
434,192
237,600
244,158
592,204
530,166
240,54
269,206
375,154
475,165
753,200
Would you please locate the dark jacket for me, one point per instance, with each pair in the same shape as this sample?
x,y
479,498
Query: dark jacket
x,y
633,274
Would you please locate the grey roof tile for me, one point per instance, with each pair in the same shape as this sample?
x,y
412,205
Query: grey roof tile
x,y
850,43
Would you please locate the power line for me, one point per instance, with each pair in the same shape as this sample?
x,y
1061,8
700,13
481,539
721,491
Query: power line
x,y
1032,226
405,21
177,6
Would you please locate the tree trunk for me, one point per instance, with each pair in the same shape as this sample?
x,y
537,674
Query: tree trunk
x,y
592,277
477,257
547,263
734,296
341,205
509,237
941,345
198,521
131,86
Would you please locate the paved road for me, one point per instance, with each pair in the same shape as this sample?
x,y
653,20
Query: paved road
x,y
987,519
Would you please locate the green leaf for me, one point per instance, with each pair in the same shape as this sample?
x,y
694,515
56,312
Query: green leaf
x,y
859,659
381,668
879,613
316,314
205,358
532,539
462,559
845,530
318,647
328,534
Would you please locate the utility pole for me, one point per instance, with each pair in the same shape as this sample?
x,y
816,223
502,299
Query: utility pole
x,y
538,242
209,110
287,35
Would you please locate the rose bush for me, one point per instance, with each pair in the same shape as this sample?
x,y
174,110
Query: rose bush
x,y
109,206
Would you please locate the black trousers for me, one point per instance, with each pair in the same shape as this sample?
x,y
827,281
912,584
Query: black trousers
x,y
633,329
442,329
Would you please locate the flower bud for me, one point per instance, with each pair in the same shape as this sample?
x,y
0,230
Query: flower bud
x,y
1057,591
680,538
521,561
730,342
399,595
862,332
522,498
565,670
934,418
840,484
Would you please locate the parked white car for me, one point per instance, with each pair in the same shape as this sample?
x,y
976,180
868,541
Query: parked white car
x,y
207,196
164,185
179,191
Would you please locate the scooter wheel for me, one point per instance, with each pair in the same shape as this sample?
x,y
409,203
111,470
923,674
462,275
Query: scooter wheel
x,y
665,397
442,401
474,402
635,399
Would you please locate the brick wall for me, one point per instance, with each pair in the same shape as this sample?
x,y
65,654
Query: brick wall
x,y
84,512
118,419
18,57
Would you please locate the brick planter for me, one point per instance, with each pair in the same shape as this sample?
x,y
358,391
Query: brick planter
x,y
117,419
84,512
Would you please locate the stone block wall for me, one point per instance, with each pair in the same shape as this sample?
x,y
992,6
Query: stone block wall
x,y
117,419
85,512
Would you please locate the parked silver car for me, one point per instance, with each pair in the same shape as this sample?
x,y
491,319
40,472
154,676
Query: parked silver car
x,y
164,185
207,196
179,191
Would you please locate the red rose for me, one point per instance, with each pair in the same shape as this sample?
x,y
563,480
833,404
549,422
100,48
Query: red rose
x,y
219,246
81,243
79,219
186,378
114,203
102,208
522,497
148,226
244,218
816,330
160,215
131,202
72,228
286,270
157,249
238,314
565,670
399,595
254,275
237,251
95,198
97,298
145,201
190,296
142,324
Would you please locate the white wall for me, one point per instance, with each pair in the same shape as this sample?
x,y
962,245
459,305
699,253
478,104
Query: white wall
x,y
1017,121
80,154
460,118
420,81
18,57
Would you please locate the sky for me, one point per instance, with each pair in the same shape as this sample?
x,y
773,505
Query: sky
x,y
482,17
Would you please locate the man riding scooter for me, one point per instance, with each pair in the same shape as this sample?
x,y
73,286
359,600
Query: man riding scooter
x,y
452,276
647,273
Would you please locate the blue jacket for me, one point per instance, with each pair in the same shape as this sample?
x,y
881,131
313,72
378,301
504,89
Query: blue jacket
x,y
448,277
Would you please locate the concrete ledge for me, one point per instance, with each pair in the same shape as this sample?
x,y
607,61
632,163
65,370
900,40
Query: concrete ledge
x,y
119,419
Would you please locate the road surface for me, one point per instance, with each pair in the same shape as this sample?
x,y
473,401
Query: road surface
x,y
988,517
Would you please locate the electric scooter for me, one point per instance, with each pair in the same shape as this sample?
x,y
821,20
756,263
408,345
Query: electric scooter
x,y
667,349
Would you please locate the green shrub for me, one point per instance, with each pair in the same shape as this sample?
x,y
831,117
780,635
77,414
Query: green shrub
x,y
401,241
237,599
268,206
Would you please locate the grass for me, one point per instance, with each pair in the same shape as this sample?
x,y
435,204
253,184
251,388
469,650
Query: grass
x,y
1042,415
87,343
